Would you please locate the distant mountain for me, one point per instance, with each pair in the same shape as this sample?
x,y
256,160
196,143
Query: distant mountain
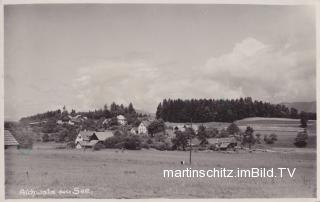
x,y
302,106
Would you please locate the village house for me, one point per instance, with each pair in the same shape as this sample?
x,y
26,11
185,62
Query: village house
x,y
87,139
9,140
134,131
106,121
222,143
122,120
143,127
179,127
76,119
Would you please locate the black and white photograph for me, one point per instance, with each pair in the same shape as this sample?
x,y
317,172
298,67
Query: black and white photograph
x,y
160,100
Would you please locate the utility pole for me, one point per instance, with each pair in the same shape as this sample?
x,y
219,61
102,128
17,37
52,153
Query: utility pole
x,y
190,139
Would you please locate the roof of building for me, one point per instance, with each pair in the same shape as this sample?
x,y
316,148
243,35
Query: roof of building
x,y
195,141
221,140
88,144
9,140
86,134
121,117
145,123
225,144
102,136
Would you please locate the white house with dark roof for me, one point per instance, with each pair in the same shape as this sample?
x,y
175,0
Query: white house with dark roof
x,y
143,127
122,120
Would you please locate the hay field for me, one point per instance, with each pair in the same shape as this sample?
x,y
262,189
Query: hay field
x,y
139,174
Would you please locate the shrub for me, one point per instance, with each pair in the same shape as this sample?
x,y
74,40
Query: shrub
x,y
274,137
132,142
300,140
98,146
71,145
270,139
145,145
113,142
45,138
159,146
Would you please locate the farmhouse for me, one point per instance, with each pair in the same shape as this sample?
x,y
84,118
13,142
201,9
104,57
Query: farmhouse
x,y
143,127
122,120
76,119
9,140
223,143
134,131
87,139
179,127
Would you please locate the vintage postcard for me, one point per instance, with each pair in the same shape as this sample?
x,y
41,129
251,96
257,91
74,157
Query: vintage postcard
x,y
159,100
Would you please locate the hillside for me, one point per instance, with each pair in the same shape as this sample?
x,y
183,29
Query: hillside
x,y
302,106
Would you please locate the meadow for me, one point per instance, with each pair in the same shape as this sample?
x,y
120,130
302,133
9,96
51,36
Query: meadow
x,y
139,174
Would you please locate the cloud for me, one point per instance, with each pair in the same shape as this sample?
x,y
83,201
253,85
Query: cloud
x,y
265,72
252,68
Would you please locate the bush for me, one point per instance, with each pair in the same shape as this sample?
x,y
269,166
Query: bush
x,y
113,142
301,139
71,145
98,146
132,143
145,145
45,138
300,144
274,137
271,139
159,146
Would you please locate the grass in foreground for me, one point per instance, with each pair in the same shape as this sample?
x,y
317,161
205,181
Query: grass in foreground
x,y
139,174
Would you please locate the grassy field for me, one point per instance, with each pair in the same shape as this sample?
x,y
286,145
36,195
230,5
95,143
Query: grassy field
x,y
139,174
285,129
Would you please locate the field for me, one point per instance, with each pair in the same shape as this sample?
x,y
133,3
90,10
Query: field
x,y
285,129
139,174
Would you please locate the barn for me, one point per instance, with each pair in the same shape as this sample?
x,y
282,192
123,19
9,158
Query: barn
x,y
87,139
10,141
223,143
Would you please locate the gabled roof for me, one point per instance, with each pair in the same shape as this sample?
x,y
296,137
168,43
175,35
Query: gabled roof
x,y
86,135
121,117
145,123
9,140
102,136
221,140
195,141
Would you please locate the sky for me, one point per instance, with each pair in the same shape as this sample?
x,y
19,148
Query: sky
x,y
85,56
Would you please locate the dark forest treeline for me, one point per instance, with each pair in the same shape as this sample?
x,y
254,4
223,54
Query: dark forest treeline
x,y
228,110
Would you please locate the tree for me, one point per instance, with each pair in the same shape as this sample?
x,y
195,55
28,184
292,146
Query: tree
x,y
159,111
131,110
132,142
202,135
180,141
105,107
303,120
293,113
73,112
248,137
156,126
233,129
301,139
